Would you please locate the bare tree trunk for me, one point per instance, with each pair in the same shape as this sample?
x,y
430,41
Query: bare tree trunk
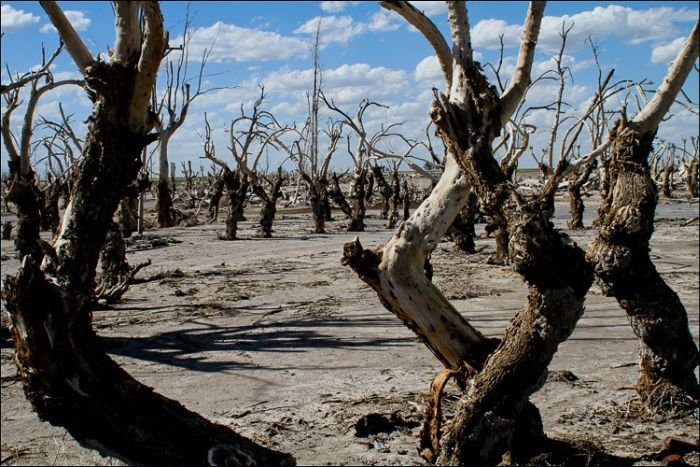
x,y
336,194
666,174
691,178
394,201
269,206
26,196
236,188
128,219
575,198
462,230
49,211
318,197
357,218
218,191
625,271
406,201
384,190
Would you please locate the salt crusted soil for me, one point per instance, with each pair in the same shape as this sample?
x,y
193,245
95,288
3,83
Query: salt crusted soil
x,y
276,339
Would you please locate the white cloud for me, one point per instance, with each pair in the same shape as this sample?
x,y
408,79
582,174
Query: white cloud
x,y
430,8
338,29
666,53
250,44
486,34
77,18
384,21
630,25
335,6
428,69
13,20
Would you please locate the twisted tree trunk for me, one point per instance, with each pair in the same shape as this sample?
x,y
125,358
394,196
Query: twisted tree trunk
x,y
575,200
625,271
358,195
394,201
236,190
336,194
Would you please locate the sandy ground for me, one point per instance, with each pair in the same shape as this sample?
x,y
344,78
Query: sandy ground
x,y
276,339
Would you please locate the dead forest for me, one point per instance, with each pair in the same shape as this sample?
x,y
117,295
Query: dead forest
x,y
437,303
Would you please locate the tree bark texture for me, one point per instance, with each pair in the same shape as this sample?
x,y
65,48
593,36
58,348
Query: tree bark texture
x,y
384,191
269,206
620,254
462,230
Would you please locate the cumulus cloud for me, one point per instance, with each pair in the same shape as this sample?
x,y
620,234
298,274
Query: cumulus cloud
x,y
248,44
430,8
666,53
335,6
630,25
77,18
340,29
14,20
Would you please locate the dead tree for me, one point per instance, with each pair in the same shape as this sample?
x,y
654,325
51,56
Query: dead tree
x,y
620,252
269,202
395,200
68,378
338,197
24,191
691,168
171,110
494,410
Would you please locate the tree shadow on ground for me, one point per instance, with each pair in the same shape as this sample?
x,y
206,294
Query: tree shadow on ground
x,y
192,348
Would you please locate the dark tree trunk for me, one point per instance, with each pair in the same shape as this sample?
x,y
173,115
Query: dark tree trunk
x,y
218,191
357,218
620,254
554,268
6,230
128,216
369,186
26,196
394,201
269,206
68,378
462,230
384,190
336,194
236,189
164,205
575,199
603,186
318,197
49,210
691,179
666,179
406,201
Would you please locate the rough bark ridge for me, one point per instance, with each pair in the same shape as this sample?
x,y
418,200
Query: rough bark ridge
x,y
462,230
269,206
620,254
68,378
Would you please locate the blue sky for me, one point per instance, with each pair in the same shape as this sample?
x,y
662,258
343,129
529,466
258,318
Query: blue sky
x,y
366,52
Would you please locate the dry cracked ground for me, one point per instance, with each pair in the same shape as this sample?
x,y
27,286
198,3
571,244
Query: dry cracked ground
x,y
278,340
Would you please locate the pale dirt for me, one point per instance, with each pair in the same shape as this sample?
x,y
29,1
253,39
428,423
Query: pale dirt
x,y
279,341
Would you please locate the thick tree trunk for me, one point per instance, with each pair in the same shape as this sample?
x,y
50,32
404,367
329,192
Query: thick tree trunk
x,y
49,211
269,206
25,195
369,186
164,204
384,191
666,183
406,201
336,194
691,178
575,199
236,189
318,197
462,230
620,254
357,217
164,200
394,201
128,217
217,193
68,378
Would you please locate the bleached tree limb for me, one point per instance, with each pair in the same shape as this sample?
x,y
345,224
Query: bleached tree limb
x,y
521,74
74,44
421,22
127,42
652,113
